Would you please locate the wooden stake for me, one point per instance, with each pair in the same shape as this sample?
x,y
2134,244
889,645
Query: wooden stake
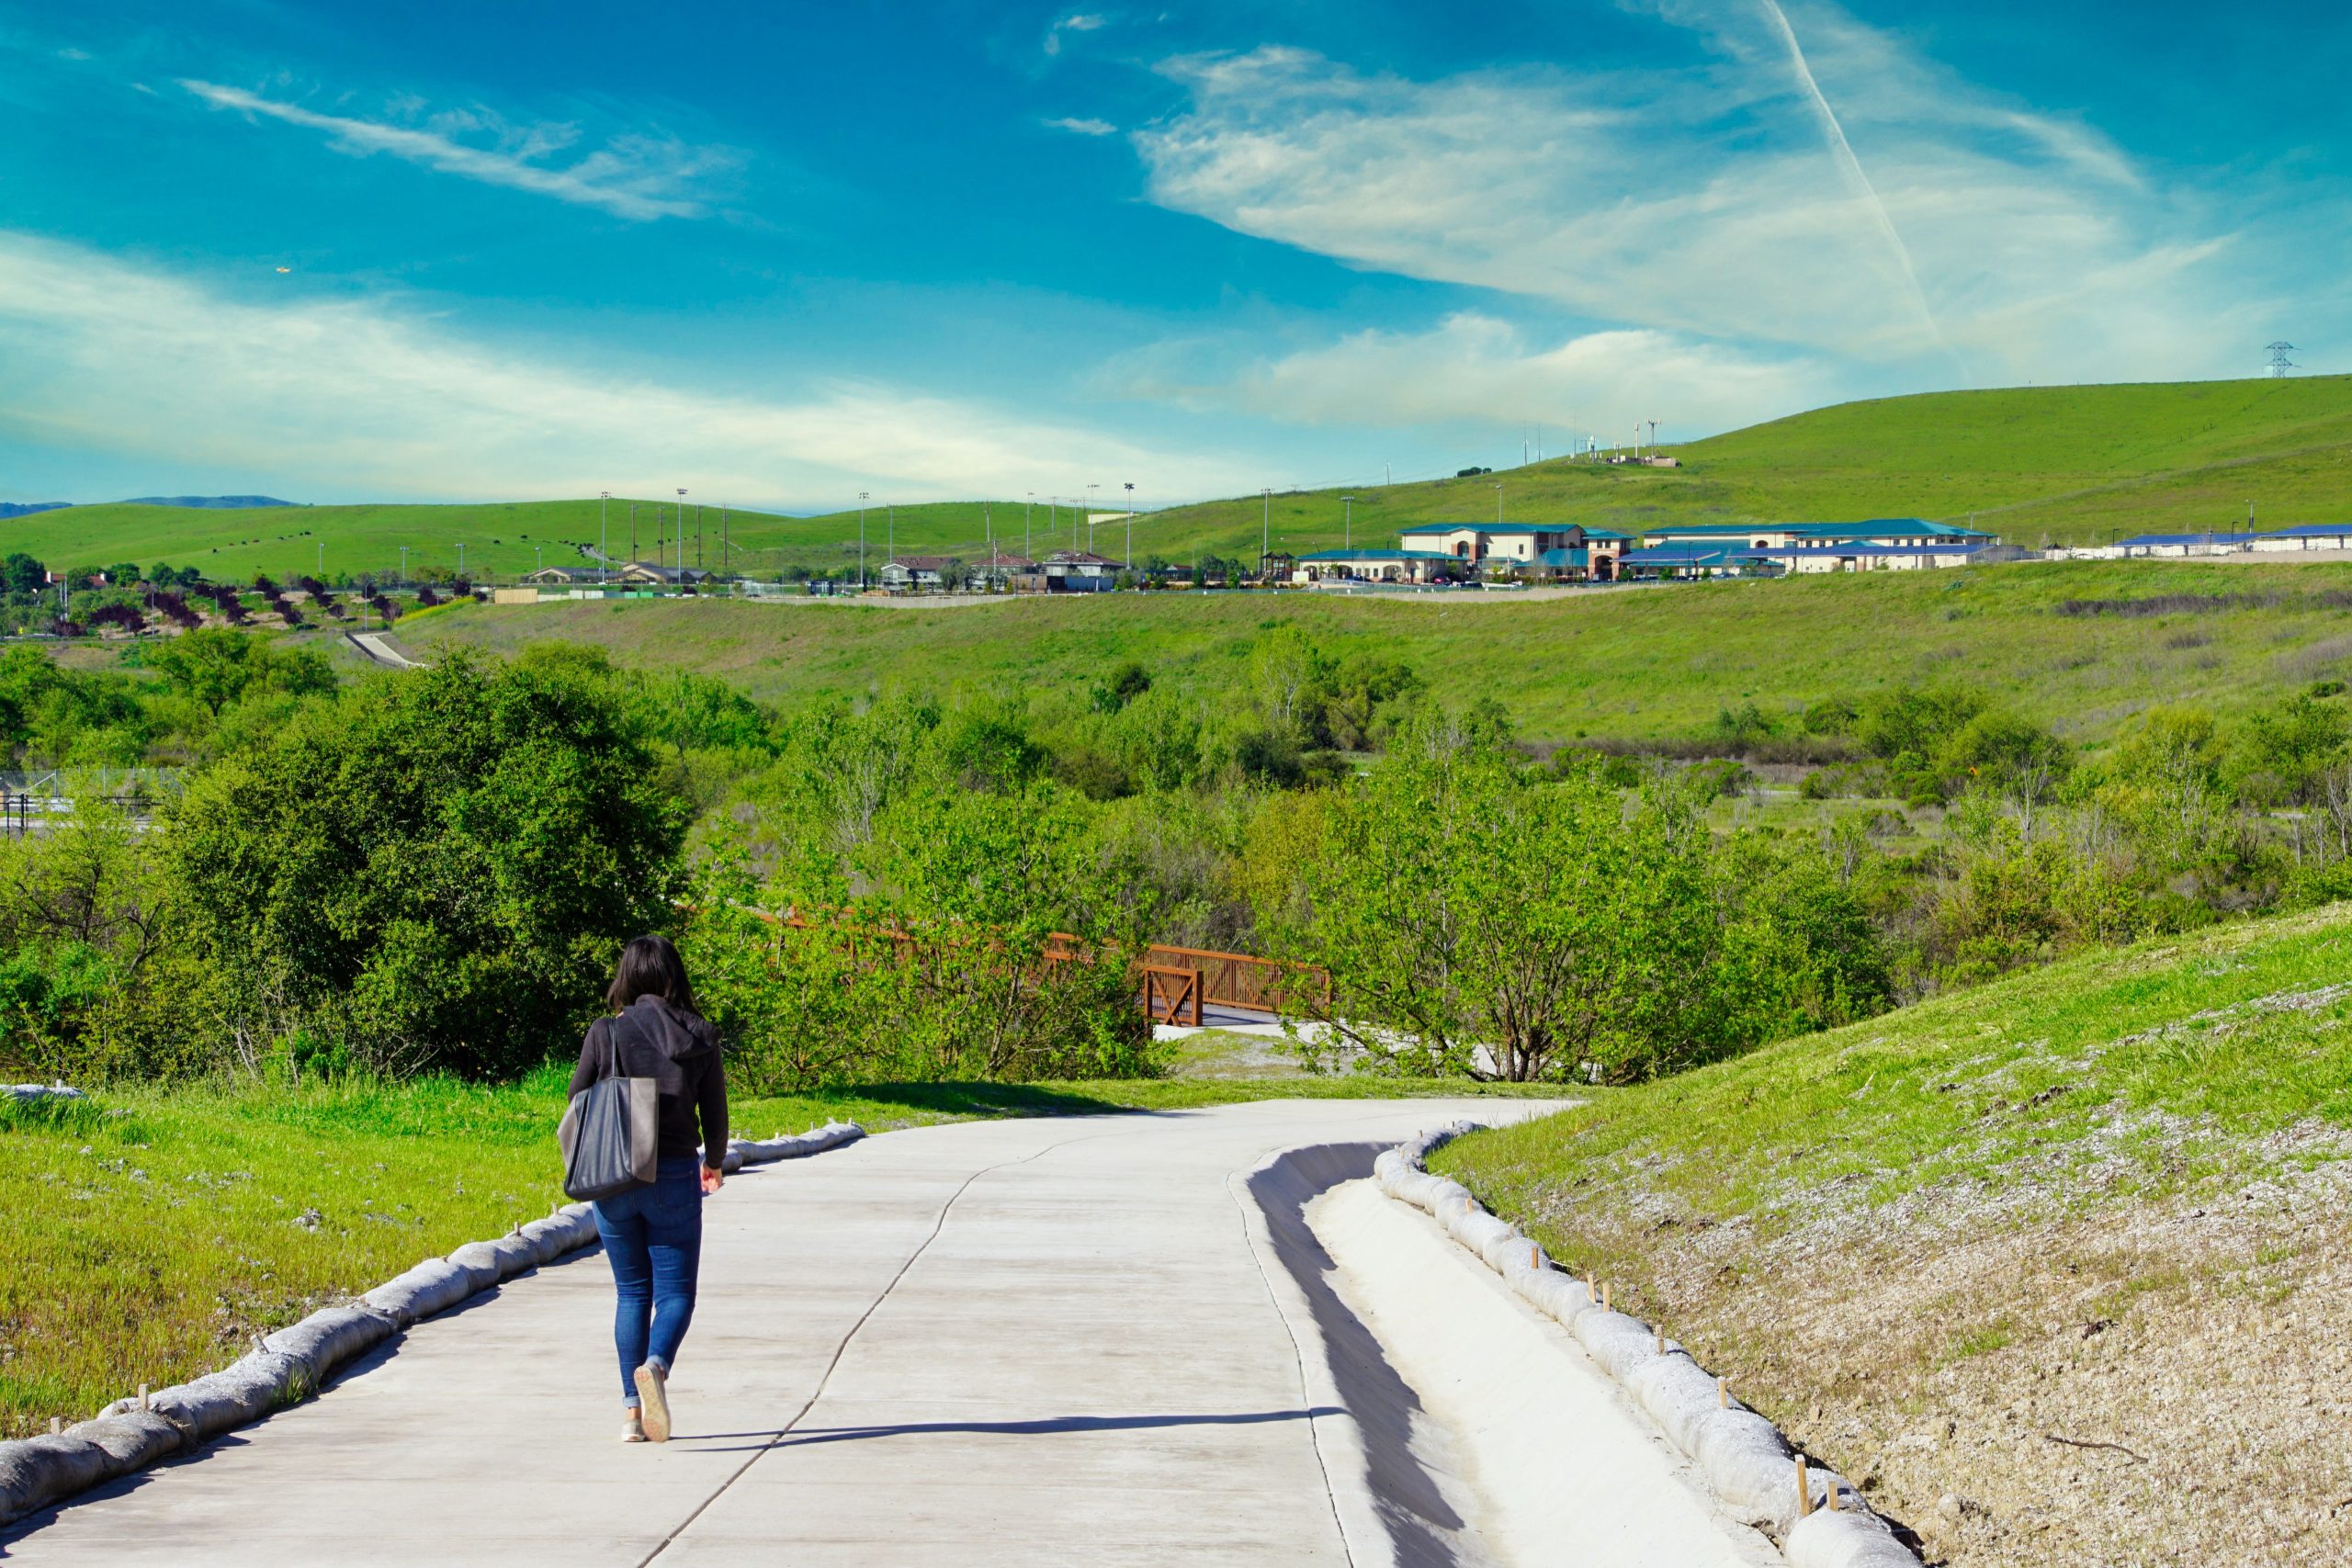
x,y
1535,1256
56,1427
1723,1395
1661,1337
1805,1491
142,1399
1604,1297
1832,1490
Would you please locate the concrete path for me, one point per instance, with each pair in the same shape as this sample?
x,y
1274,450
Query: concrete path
x,y
1010,1342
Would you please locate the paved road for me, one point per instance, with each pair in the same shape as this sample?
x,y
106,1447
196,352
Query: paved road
x,y
1038,1342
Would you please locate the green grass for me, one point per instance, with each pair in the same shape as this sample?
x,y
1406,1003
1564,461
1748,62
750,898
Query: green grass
x,y
2072,464
1644,662
2110,1079
149,1234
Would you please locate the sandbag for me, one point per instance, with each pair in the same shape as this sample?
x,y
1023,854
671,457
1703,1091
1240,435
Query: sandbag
x,y
1845,1540
434,1285
36,1471
249,1389
132,1440
1618,1343
332,1336
1558,1296
1677,1393
559,1236
1749,1465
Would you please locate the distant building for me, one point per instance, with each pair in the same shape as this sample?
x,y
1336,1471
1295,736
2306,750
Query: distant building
x,y
1377,566
561,576
1772,549
916,574
637,572
1531,550
1080,572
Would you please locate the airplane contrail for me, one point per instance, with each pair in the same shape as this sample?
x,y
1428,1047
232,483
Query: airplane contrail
x,y
1850,167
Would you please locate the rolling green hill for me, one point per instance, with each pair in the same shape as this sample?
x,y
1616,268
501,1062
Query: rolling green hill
x,y
1995,1248
2068,464
1629,662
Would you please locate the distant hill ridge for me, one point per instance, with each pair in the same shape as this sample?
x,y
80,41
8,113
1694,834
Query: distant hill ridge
x,y
235,502
27,508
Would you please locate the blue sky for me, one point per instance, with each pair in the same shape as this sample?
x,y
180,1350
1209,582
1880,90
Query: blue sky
x,y
782,255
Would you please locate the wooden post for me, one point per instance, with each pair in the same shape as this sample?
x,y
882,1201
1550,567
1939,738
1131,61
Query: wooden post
x,y
1660,1332
1604,1297
142,1399
1535,1256
1805,1491
56,1427
1723,1395
1831,1493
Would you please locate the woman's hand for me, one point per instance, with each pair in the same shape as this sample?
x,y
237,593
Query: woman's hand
x,y
712,1180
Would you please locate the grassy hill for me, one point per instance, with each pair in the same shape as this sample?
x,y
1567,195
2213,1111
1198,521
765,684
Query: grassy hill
x,y
2071,464
2064,1250
1626,662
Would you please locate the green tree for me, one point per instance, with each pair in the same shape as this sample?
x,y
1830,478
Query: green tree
x,y
215,666
432,872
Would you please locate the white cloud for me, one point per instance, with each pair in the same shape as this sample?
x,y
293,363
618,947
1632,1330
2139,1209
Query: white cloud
x,y
1084,127
1710,202
638,178
341,399
1077,22
1473,367
72,54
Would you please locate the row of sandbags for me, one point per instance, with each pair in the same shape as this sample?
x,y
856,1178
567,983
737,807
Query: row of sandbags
x,y
292,1363
29,1091
1744,1459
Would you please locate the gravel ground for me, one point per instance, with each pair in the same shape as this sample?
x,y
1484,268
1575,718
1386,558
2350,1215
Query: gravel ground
x,y
2168,1384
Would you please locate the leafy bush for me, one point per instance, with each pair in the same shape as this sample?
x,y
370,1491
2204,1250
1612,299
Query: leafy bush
x,y
433,874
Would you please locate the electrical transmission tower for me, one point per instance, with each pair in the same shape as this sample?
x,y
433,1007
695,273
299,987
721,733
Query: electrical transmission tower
x,y
2279,363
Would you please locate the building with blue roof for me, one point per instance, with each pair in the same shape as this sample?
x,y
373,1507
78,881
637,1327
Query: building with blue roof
x,y
1377,565
1524,549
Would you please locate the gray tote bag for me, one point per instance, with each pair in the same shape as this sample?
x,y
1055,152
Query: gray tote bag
x,y
610,1137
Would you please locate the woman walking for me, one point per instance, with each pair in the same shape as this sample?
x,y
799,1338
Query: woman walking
x,y
653,1234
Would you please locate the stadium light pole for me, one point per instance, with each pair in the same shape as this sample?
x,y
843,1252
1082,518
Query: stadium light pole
x,y
604,547
1265,531
1346,521
861,541
1498,507
890,531
1131,523
1089,517
320,569
462,558
403,565
1026,507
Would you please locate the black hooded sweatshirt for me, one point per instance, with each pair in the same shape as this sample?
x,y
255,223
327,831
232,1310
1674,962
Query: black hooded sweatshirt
x,y
680,1052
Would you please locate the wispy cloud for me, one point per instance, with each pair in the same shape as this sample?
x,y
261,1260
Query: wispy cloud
x,y
343,398
634,176
1474,367
1076,22
1084,127
1726,201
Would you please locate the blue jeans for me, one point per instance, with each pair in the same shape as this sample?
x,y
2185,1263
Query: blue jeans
x,y
653,1239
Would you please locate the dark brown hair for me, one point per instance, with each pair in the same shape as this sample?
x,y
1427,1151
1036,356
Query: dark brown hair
x,y
649,965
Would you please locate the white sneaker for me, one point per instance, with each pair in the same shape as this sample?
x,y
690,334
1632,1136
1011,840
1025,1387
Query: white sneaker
x,y
632,1429
654,1412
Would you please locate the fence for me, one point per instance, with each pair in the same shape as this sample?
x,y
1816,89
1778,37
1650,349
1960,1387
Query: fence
x,y
1173,985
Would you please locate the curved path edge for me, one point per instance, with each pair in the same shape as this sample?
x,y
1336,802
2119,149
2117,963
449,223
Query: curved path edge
x,y
1744,1459
286,1366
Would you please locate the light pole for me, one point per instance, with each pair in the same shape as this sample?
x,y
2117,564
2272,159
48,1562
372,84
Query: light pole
x,y
1026,507
540,554
1131,523
603,549
861,541
403,565
1498,507
1089,517
461,561
321,570
632,533
1346,521
1265,531
890,531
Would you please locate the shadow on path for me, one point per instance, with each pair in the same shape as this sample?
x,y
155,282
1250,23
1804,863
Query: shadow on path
x,y
808,1437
